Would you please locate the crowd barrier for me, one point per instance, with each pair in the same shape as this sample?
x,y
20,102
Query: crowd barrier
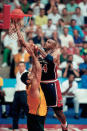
x,y
9,88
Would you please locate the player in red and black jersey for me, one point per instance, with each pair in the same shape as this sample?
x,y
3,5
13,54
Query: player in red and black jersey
x,y
49,82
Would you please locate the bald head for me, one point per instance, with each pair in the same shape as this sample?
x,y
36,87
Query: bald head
x,y
50,44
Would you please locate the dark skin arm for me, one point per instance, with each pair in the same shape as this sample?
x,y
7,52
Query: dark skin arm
x,y
66,92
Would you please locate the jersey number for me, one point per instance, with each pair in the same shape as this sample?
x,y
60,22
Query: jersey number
x,y
44,68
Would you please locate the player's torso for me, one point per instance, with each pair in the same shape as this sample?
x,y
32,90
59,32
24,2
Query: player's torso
x,y
37,106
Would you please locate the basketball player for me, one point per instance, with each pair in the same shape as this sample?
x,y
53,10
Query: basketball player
x,y
35,96
49,82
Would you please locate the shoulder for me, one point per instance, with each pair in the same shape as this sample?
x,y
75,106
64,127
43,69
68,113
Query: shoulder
x,y
75,83
65,82
42,5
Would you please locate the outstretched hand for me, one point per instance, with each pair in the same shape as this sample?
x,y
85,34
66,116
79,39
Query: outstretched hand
x,y
20,37
30,47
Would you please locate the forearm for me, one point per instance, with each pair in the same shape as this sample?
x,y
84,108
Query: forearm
x,y
43,53
66,92
65,73
20,36
36,63
76,72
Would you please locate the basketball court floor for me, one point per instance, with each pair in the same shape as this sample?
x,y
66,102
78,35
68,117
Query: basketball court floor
x,y
51,123
47,128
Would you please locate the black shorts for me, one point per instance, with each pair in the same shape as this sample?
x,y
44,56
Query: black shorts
x,y
35,122
50,93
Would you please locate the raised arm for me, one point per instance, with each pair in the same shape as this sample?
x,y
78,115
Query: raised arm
x,y
36,67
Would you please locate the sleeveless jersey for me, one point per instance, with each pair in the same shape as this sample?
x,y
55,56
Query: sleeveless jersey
x,y
37,106
48,69
49,82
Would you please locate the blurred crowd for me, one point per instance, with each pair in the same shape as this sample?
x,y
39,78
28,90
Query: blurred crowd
x,y
64,21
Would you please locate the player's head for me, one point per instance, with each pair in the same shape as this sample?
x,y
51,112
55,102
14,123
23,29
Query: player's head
x,y
50,44
21,66
27,77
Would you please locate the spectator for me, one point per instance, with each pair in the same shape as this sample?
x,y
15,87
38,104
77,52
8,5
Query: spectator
x,y
60,26
17,3
83,6
69,67
49,7
41,19
66,17
48,29
20,97
29,35
85,32
78,17
83,67
60,6
21,56
77,39
73,27
55,16
71,7
6,50
83,72
31,28
39,39
77,57
69,90
63,56
83,51
56,38
65,38
36,6
71,48
25,6
27,20
2,99
11,47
